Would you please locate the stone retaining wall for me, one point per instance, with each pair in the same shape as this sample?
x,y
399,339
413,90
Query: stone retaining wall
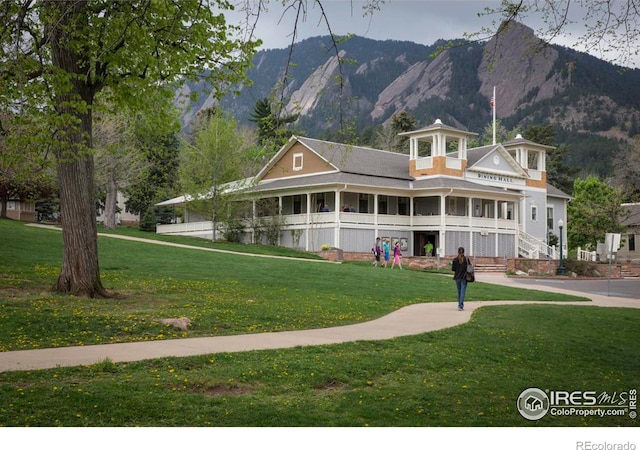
x,y
547,267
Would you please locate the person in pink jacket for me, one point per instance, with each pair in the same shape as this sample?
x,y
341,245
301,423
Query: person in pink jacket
x,y
396,256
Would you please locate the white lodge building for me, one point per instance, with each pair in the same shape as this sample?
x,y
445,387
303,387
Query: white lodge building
x,y
493,200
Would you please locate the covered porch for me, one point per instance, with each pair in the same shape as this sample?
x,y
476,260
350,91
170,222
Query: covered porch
x,y
351,220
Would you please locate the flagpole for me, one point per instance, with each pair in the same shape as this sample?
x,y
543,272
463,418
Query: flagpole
x,y
493,106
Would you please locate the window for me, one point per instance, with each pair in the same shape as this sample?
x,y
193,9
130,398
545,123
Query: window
x,y
365,203
632,242
320,201
403,206
297,161
533,160
489,208
383,201
267,207
297,204
503,210
550,218
534,213
453,206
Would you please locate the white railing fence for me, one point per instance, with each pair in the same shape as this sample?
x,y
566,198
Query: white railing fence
x,y
533,248
586,255
189,227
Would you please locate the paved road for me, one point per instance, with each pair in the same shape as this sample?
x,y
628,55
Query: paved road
x,y
614,288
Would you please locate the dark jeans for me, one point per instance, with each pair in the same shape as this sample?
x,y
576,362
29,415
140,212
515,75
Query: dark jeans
x,y
462,290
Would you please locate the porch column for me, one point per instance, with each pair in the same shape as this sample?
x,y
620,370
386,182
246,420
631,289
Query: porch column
x,y
521,220
412,210
280,213
336,220
375,208
253,221
471,234
308,223
443,223
496,215
375,214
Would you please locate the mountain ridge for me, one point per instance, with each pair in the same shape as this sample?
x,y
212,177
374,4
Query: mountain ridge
x,y
535,84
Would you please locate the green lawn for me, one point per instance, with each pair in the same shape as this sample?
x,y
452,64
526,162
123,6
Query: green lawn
x,y
470,375
222,293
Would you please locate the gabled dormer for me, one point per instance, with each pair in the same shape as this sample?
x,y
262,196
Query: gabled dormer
x,y
493,165
532,158
438,149
296,158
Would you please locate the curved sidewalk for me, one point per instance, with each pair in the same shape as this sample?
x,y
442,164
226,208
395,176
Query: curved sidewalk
x,y
410,320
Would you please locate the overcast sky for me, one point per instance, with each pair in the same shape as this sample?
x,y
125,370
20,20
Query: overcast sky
x,y
421,21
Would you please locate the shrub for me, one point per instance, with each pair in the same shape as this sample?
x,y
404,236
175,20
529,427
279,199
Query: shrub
x,y
582,268
233,230
148,221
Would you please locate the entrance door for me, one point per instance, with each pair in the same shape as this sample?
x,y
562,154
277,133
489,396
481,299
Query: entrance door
x,y
420,239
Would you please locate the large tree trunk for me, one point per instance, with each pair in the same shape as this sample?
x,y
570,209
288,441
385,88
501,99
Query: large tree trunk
x,y
4,200
80,274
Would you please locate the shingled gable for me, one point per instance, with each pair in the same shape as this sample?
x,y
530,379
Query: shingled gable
x,y
295,159
477,157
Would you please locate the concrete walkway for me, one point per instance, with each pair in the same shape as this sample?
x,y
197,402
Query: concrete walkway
x,y
191,247
410,320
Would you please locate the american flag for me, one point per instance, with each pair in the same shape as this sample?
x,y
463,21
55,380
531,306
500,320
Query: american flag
x,y
492,102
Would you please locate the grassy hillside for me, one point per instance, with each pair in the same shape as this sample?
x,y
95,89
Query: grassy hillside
x,y
223,293
470,375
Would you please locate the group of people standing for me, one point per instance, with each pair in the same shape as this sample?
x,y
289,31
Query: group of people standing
x,y
461,265
382,249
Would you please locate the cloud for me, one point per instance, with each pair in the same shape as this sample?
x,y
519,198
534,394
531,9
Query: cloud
x,y
423,22
420,21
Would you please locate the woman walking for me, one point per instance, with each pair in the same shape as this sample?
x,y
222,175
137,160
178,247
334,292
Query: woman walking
x,y
459,267
397,254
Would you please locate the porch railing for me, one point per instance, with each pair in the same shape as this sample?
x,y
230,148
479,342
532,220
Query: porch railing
x,y
533,248
356,218
585,255
190,227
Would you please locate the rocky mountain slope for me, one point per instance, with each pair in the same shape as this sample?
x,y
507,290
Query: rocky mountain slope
x,y
534,84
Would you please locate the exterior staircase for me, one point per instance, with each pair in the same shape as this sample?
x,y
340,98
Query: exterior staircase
x,y
627,273
490,264
533,248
